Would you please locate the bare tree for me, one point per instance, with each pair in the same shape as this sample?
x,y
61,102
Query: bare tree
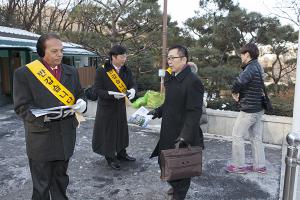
x,y
101,24
8,9
22,13
29,11
287,9
57,16
38,15
283,65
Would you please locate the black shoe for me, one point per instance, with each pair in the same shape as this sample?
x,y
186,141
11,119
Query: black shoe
x,y
126,157
113,163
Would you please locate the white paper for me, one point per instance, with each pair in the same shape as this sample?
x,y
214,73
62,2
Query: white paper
x,y
118,93
53,110
140,117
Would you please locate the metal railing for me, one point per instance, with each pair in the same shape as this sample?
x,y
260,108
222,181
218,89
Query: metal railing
x,y
291,162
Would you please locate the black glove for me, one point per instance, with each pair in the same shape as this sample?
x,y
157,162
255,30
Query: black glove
x,y
90,93
154,113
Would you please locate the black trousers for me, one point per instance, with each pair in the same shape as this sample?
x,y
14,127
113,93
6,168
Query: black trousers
x,y
112,156
180,188
49,178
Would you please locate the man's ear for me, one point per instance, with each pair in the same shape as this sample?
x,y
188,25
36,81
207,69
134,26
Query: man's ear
x,y
185,59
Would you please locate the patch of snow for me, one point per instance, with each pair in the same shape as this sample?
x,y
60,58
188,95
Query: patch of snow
x,y
5,29
69,47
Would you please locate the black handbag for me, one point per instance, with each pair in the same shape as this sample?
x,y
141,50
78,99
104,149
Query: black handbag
x,y
181,163
266,103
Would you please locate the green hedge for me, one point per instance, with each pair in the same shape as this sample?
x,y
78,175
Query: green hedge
x,y
282,107
219,78
223,104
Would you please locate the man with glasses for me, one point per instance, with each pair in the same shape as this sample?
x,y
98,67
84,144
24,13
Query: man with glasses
x,y
112,83
180,112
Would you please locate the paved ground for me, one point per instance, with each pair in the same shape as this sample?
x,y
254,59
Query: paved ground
x,y
91,178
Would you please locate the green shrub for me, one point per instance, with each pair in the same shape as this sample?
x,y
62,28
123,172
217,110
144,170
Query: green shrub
x,y
275,89
280,107
148,82
223,104
217,78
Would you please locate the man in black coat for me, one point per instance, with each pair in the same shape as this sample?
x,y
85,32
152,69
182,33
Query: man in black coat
x,y
180,112
110,136
50,140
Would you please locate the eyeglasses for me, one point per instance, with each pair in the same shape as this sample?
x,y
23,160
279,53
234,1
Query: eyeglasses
x,y
172,58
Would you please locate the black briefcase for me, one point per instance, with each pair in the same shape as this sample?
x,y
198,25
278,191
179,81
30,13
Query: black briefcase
x,y
181,163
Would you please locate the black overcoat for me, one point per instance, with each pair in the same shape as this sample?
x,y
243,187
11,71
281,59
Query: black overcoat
x,y
51,140
110,134
181,111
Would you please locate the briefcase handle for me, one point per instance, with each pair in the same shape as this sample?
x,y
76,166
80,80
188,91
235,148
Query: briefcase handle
x,y
178,143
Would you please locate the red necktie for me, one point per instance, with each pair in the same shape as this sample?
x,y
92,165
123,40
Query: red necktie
x,y
55,72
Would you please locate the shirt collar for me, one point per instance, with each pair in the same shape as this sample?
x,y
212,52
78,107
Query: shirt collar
x,y
176,73
117,68
183,73
48,66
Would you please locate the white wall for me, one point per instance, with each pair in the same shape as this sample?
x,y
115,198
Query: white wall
x,y
275,128
84,61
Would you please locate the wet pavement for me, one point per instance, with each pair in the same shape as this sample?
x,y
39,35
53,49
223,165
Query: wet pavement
x,y
91,178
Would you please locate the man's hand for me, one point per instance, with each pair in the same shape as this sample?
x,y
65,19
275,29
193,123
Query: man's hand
x,y
180,142
153,113
131,94
80,106
236,96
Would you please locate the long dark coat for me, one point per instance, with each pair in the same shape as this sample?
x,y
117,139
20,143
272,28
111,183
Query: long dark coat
x,y
181,111
110,134
52,140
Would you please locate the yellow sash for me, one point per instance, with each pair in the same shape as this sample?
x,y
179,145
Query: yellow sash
x,y
169,70
51,83
115,78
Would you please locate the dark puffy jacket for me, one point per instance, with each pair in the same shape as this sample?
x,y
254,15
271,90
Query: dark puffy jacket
x,y
249,86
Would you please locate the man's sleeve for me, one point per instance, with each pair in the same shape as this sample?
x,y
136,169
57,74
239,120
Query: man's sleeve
x,y
79,90
22,97
193,108
159,110
244,78
99,84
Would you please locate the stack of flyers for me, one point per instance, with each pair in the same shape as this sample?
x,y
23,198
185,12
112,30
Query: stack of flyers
x,y
140,117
